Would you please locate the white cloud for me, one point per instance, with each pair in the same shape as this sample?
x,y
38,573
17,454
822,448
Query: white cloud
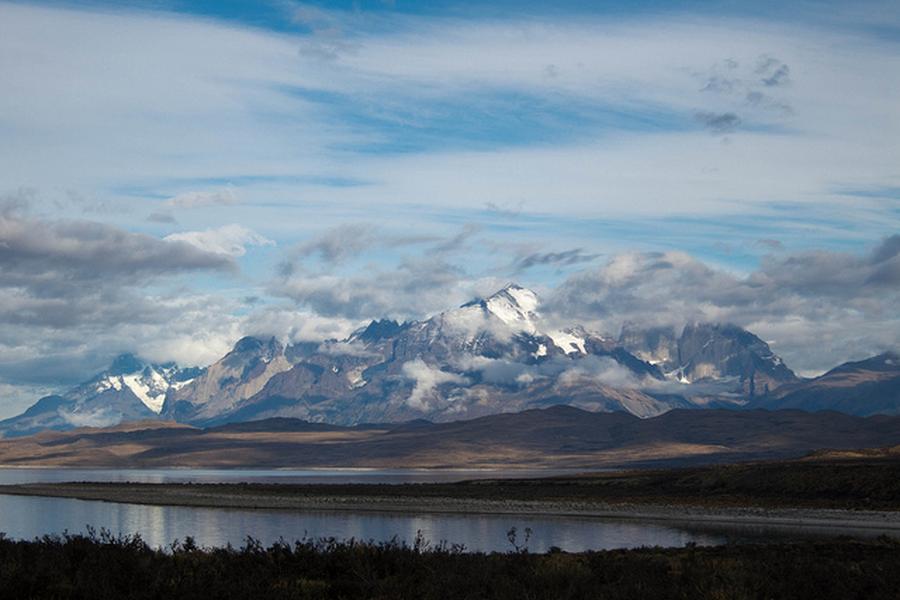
x,y
98,418
411,289
231,240
427,378
602,370
502,371
292,325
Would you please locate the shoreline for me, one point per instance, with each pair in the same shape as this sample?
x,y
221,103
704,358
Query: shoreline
x,y
207,496
516,469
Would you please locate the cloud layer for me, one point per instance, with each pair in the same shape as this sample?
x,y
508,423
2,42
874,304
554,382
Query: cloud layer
x,y
818,308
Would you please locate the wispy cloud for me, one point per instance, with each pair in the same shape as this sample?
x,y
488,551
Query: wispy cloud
x,y
556,259
340,243
161,217
223,197
719,122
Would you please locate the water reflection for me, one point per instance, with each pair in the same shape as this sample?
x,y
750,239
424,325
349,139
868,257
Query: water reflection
x,y
25,518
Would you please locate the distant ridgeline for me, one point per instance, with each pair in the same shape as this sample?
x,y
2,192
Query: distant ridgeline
x,y
488,356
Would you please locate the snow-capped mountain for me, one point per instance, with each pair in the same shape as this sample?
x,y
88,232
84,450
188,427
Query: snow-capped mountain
x,y
129,390
516,307
148,382
491,355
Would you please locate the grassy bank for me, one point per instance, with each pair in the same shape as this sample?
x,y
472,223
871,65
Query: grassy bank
x,y
834,484
104,567
872,484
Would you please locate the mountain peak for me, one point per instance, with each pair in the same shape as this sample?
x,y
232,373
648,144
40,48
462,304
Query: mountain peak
x,y
885,358
255,344
886,361
515,306
512,289
125,364
521,297
377,330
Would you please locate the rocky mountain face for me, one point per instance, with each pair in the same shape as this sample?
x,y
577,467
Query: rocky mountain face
x,y
863,388
491,355
488,356
129,390
238,375
704,352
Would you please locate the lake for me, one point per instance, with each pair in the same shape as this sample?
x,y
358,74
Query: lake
x,y
24,517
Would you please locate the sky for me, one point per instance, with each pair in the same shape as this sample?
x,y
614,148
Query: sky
x,y
175,175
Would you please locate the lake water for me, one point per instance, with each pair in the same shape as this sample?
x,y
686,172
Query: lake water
x,y
24,517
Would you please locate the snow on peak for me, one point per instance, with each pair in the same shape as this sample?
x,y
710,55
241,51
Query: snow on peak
x,y
150,388
515,306
149,385
568,340
523,297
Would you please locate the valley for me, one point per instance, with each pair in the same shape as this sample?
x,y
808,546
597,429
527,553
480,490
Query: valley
x,y
556,437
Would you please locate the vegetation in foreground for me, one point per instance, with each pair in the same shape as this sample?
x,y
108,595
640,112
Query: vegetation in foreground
x,y
102,566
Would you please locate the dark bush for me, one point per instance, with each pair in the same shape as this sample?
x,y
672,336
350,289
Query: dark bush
x,y
98,565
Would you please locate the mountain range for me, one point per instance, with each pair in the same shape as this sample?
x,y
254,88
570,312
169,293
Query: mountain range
x,y
492,355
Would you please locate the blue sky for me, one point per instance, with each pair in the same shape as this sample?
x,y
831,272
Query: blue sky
x,y
354,159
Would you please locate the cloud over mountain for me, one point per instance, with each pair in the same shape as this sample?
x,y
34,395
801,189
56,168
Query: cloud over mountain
x,y
72,290
837,302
